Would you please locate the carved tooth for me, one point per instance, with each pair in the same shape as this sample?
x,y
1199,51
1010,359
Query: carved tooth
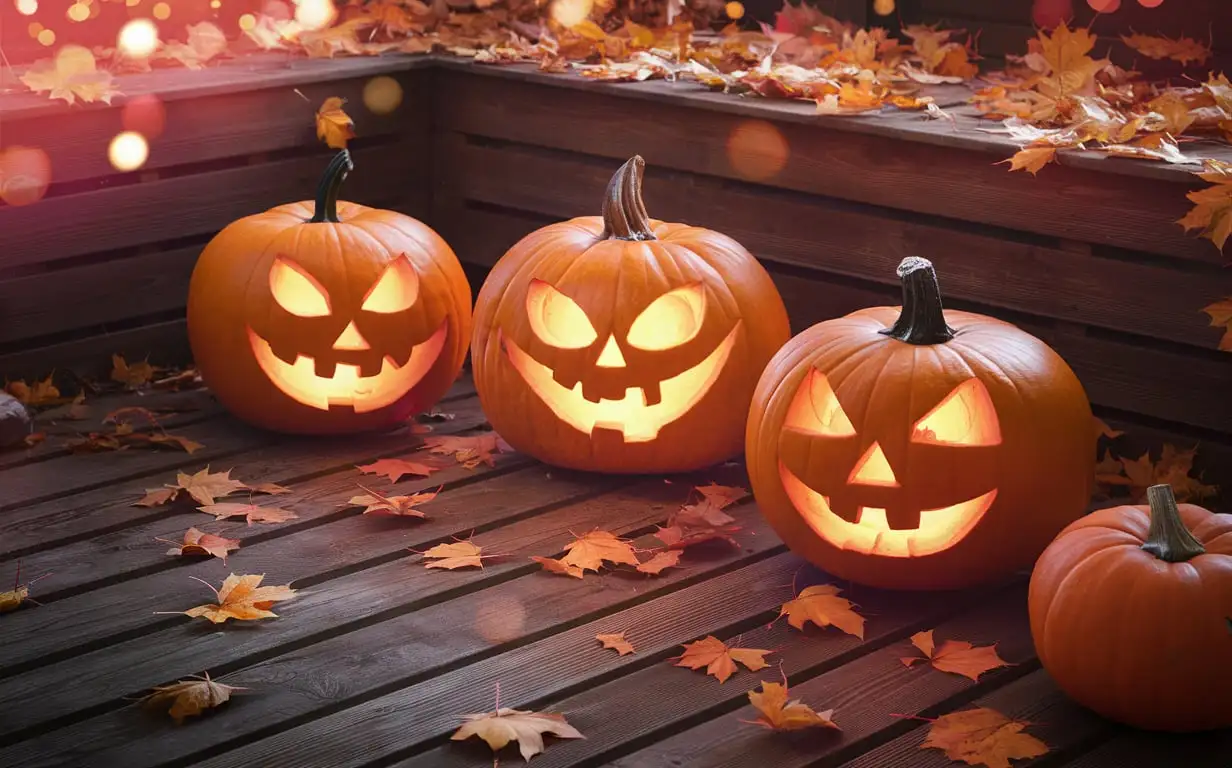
x,y
325,368
592,391
370,368
652,394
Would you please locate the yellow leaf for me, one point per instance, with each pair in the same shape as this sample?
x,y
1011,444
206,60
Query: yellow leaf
x,y
1032,159
616,642
241,598
526,728
1184,49
983,737
591,551
1212,211
720,660
1221,317
71,75
458,554
655,565
403,506
780,714
252,512
821,605
334,126
205,486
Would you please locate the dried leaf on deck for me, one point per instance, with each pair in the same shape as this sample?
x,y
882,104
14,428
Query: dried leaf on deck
x,y
205,486
252,512
1184,49
131,376
334,126
559,566
719,660
156,497
403,506
199,543
616,642
526,728
655,565
241,598
457,554
1173,468
591,551
190,697
778,713
40,393
471,451
722,495
205,42
821,605
394,469
957,656
19,594
983,737
73,74
34,438
1212,211
1032,159
1221,317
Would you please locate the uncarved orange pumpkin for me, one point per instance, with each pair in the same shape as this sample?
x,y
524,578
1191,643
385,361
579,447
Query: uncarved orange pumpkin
x,y
327,316
1131,613
906,448
618,343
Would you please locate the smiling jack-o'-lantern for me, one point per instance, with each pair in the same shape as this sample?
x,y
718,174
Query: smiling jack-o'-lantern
x,y
328,317
624,344
907,447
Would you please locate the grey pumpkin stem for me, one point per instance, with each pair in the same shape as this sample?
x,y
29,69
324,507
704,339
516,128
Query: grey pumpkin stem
x,y
1168,538
624,213
922,319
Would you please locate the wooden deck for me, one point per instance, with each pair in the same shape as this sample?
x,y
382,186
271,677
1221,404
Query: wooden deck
x,y
377,658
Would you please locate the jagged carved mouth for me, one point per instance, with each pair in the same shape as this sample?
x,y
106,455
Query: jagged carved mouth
x,y
637,421
871,534
347,387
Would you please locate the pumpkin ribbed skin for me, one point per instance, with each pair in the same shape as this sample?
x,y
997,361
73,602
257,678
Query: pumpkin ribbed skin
x,y
885,386
613,279
1138,639
229,294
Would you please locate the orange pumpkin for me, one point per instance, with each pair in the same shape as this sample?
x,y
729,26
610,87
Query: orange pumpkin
x,y
327,316
1131,613
618,343
905,448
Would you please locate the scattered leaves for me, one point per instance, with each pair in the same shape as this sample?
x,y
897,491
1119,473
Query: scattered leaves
x,y
73,74
334,126
616,642
526,728
1184,49
703,521
394,469
131,376
719,660
205,486
591,551
251,512
957,656
190,697
983,737
821,605
41,393
471,451
241,598
402,506
457,554
780,714
197,543
1136,475
1212,211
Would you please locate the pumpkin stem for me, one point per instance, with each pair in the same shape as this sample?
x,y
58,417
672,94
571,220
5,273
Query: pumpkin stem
x,y
326,209
921,320
1168,538
624,213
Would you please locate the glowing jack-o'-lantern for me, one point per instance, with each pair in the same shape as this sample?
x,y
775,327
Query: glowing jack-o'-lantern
x,y
328,317
623,344
905,447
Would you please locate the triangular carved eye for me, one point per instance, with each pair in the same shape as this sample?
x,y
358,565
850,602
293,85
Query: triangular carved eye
x,y
557,319
816,409
966,416
296,291
395,290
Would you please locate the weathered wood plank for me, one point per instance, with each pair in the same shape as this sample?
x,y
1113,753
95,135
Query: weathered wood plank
x,y
865,694
1130,748
464,626
135,214
125,547
976,263
164,343
834,159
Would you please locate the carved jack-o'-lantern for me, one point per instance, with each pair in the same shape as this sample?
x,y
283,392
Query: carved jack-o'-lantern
x,y
328,317
623,344
908,448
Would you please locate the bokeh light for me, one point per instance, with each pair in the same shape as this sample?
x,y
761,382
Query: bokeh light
x,y
138,38
734,10
315,14
757,150
570,13
1047,14
47,37
145,115
128,151
382,95
25,173
1104,6
78,12
161,11
883,7
1150,3
247,22
277,10
26,7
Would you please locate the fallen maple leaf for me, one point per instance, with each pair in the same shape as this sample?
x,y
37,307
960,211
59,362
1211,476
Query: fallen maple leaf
x,y
132,376
1071,69
190,697
241,598
470,452
199,543
394,469
502,726
957,656
1183,49
616,642
334,126
655,565
559,566
718,659
458,554
722,495
1212,211
253,513
1221,317
780,714
983,737
19,594
1031,159
73,74
205,486
591,551
821,605
42,393
403,506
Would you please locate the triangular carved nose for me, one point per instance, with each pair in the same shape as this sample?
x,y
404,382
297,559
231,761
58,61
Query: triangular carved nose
x,y
873,468
351,339
610,357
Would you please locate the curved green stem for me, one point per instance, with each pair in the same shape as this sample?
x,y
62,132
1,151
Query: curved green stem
x,y
326,208
624,213
922,320
1168,538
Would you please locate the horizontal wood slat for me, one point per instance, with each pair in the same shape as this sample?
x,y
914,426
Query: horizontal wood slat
x,y
163,343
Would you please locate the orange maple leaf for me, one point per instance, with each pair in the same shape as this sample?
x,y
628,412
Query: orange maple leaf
x,y
241,598
655,565
780,714
334,126
205,42
1031,159
199,543
190,697
720,660
591,551
471,451
722,496
42,393
552,565
394,469
957,656
616,642
73,74
1221,317
1071,70
403,506
458,554
132,376
983,737
821,605
1212,211
253,513
1184,49
205,486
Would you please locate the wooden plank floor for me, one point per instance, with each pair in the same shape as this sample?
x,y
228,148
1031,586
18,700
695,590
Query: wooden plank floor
x,y
377,657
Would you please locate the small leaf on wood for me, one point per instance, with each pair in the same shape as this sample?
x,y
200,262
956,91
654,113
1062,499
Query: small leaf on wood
x,y
190,697
198,543
252,512
241,598
471,451
780,714
505,725
616,642
720,660
655,565
457,554
205,486
821,605
957,656
559,566
983,737
131,376
402,506
394,469
334,126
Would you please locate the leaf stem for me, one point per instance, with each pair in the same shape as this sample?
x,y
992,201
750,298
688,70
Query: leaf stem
x,y
1168,538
